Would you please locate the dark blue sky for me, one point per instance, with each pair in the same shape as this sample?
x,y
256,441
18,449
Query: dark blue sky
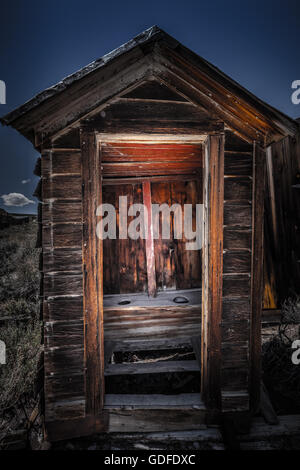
x,y
254,42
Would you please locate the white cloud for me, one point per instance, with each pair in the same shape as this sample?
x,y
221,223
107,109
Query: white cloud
x,y
26,181
16,199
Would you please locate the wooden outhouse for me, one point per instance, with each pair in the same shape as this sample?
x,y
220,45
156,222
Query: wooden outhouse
x,y
156,123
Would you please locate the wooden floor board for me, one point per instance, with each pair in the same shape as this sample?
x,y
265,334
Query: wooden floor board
x,y
154,401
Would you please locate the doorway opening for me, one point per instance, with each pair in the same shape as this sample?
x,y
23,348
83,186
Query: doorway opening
x,y
152,293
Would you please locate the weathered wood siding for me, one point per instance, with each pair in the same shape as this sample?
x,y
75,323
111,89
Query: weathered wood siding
x,y
65,361
236,306
226,297
151,322
124,261
63,284
142,164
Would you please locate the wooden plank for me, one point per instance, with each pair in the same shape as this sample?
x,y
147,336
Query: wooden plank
x,y
62,284
141,179
234,379
236,285
62,388
237,261
155,331
143,111
176,267
154,420
237,188
204,434
270,316
58,162
150,326
62,259
65,409
124,262
235,354
236,276
118,315
165,137
238,164
163,367
235,401
187,262
149,168
150,257
134,326
237,215
237,238
62,235
92,280
257,272
156,127
154,401
62,187
235,331
62,212
78,427
234,309
63,333
212,263
154,90
164,249
63,308
143,152
61,361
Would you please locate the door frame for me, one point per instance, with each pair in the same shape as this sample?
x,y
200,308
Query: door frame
x,y
212,270
212,265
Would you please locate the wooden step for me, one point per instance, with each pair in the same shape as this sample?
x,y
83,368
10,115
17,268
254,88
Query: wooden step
x,y
154,412
162,367
155,420
154,401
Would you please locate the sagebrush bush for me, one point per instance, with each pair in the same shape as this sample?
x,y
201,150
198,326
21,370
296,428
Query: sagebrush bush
x,y
19,308
19,275
281,376
19,294
23,348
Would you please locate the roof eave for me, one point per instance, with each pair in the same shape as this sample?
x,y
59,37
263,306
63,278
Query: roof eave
x,y
282,122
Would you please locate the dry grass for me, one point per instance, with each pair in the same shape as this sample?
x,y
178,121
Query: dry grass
x,y
19,293
281,376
